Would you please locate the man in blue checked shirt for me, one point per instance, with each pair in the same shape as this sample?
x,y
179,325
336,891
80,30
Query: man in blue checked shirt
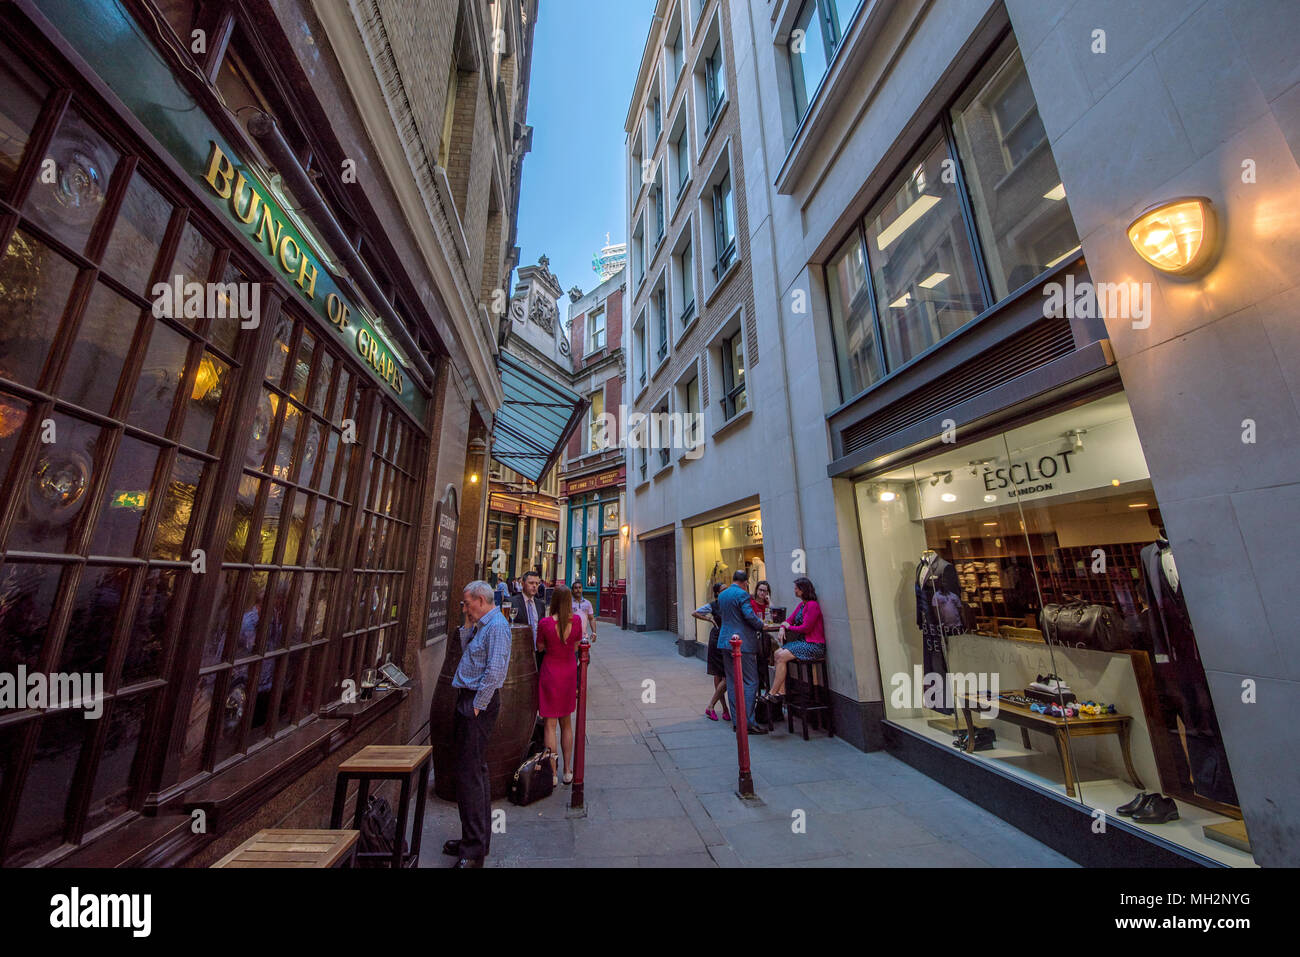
x,y
485,657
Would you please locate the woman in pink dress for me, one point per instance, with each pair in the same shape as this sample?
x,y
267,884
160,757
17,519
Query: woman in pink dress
x,y
558,635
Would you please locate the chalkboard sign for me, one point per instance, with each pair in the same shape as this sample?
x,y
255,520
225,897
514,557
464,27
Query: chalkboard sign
x,y
445,522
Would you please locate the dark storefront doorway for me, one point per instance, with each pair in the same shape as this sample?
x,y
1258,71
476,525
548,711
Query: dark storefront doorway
x,y
661,584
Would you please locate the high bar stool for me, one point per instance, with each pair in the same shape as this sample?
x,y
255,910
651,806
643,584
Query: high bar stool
x,y
811,699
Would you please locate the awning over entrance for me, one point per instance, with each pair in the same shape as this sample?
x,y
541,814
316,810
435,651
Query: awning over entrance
x,y
535,421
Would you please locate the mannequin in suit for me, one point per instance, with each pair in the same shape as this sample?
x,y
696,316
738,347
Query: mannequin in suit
x,y
1177,662
934,576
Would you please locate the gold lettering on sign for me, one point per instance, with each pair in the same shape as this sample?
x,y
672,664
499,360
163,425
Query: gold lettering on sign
x,y
272,231
248,215
219,168
246,203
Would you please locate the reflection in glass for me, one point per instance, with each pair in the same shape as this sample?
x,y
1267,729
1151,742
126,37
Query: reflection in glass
x,y
35,283
57,488
21,95
1019,202
196,728
129,485
260,438
96,358
137,234
27,595
177,509
111,792
94,612
193,259
921,266
223,332
280,349
13,415
164,365
302,366
83,162
215,647
210,384
852,317
38,826
144,652
242,519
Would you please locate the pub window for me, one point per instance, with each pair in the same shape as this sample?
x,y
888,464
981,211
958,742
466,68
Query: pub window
x,y
382,556
266,640
110,420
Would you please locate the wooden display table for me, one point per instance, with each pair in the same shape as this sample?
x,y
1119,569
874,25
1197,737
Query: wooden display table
x,y
1078,726
407,764
295,848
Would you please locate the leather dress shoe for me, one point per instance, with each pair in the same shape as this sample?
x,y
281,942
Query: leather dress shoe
x,y
755,729
452,848
467,862
1159,810
1139,799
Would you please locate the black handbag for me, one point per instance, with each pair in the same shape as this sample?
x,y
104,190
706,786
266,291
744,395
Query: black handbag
x,y
534,780
378,831
1083,625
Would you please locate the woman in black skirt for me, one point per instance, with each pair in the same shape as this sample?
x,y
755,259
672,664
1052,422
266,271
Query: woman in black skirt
x,y
716,663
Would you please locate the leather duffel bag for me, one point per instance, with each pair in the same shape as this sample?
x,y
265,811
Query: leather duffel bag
x,y
1080,624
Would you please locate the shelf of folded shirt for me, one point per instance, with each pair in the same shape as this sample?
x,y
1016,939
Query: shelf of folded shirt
x,y
1061,729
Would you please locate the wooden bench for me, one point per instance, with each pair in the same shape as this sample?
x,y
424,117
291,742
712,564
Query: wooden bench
x,y
295,848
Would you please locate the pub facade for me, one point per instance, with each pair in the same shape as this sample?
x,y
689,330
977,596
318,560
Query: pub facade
x,y
236,397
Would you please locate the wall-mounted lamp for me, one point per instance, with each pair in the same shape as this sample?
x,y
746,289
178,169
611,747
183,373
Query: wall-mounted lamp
x,y
945,477
1178,236
1075,438
626,530
476,451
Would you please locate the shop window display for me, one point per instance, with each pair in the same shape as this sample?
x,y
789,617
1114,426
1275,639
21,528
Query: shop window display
x,y
1031,572
722,547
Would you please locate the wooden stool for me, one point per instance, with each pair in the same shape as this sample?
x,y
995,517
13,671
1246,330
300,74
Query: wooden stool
x,y
387,763
814,698
295,848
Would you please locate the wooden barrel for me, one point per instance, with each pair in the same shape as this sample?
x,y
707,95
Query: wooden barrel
x,y
515,720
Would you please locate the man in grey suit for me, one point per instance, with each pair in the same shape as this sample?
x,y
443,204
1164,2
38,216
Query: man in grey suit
x,y
738,618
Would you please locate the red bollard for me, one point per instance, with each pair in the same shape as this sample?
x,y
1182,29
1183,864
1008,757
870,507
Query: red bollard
x,y
580,732
740,715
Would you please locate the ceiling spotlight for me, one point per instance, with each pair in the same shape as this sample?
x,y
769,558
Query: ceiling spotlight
x,y
948,497
990,498
1076,438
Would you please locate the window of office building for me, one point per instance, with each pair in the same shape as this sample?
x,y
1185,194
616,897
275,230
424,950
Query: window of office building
x,y
734,399
927,278
1042,552
1019,202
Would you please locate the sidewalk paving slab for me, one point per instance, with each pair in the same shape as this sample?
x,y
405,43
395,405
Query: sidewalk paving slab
x,y
660,788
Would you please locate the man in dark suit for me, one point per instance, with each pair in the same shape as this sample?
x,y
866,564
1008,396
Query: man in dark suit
x,y
738,618
530,607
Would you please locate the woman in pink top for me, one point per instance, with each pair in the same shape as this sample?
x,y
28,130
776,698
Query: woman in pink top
x,y
809,643
558,635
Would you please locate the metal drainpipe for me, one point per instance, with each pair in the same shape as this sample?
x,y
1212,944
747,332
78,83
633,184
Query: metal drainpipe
x,y
263,128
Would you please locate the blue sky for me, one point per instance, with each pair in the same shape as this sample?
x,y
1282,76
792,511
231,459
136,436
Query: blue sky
x,y
585,58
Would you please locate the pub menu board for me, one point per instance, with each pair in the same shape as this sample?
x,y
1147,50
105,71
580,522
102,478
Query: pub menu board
x,y
444,549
